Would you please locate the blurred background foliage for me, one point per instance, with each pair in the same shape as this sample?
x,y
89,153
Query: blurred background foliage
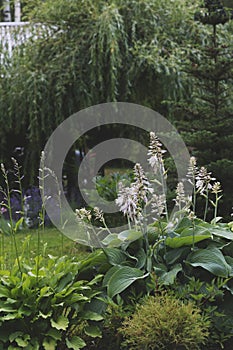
x,y
157,53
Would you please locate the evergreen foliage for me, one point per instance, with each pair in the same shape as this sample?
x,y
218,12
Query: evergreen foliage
x,y
205,117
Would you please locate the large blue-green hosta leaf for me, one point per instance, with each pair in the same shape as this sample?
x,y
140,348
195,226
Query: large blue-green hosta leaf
x,y
210,259
223,233
167,277
115,256
177,242
130,235
122,278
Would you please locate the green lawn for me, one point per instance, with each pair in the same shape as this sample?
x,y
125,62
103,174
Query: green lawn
x,y
30,244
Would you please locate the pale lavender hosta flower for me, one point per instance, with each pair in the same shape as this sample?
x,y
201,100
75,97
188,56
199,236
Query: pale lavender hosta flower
x,y
131,200
203,181
181,200
141,184
158,205
155,154
127,201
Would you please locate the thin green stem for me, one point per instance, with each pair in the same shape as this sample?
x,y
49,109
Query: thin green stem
x,y
193,233
19,181
163,189
38,254
216,206
9,207
206,204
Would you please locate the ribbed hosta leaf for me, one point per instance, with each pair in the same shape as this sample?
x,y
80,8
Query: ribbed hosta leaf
x,y
210,259
122,279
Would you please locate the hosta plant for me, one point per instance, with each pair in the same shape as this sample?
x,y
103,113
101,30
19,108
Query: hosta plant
x,y
47,307
170,249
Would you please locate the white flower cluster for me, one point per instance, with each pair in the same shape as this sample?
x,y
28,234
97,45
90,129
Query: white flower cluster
x,y
203,181
131,200
155,154
134,199
181,200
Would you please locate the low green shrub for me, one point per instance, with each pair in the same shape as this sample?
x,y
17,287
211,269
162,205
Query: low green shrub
x,y
164,322
47,306
215,301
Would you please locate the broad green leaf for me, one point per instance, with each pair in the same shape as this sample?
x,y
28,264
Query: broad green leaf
x,y
229,260
168,277
23,342
4,292
64,281
15,335
45,291
8,317
112,240
115,256
49,344
7,308
130,235
54,333
122,279
75,343
141,258
178,242
48,315
109,274
175,254
61,323
222,233
197,231
90,315
182,224
211,260
93,331
96,258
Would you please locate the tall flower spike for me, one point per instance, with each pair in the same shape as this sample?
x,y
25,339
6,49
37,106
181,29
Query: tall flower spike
x,y
127,201
216,188
155,154
158,205
141,184
204,179
181,200
98,214
192,170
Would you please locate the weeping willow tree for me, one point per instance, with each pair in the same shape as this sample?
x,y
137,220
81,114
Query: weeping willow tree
x,y
87,52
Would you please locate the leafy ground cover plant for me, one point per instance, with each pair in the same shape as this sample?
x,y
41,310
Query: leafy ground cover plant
x,y
47,308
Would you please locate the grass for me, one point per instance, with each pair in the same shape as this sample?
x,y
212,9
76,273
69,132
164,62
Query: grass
x,y
50,243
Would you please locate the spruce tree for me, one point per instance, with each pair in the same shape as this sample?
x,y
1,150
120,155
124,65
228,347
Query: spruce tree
x,y
205,118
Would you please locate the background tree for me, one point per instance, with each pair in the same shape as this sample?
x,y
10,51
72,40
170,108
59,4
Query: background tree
x,y
88,52
205,117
